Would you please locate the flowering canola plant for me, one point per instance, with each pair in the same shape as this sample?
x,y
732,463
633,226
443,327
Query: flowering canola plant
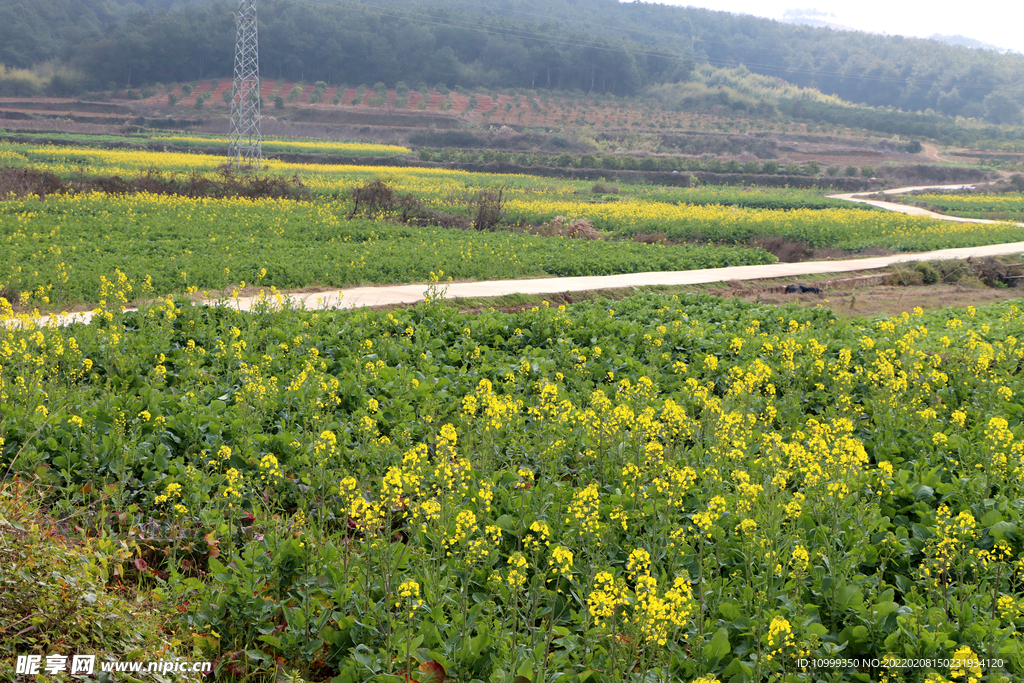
x,y
673,487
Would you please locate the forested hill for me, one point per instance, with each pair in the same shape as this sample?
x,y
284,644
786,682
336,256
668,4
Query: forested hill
x,y
591,45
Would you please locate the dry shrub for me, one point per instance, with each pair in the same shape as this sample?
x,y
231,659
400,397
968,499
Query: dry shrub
x,y
488,209
21,182
24,181
989,271
602,188
992,272
560,226
377,200
785,249
504,136
904,275
373,198
650,237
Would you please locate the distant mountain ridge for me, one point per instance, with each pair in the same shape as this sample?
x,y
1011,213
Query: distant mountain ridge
x,y
596,45
818,19
964,41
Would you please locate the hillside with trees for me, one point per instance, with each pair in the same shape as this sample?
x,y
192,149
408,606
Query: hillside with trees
x,y
610,47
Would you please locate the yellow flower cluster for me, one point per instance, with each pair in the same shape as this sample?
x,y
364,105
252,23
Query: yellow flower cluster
x,y
409,597
607,596
658,616
780,636
233,488
173,490
584,509
560,560
270,469
966,666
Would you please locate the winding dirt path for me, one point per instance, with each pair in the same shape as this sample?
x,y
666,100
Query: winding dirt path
x,y
859,197
357,297
933,153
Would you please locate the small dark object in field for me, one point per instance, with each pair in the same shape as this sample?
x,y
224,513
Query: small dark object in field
x,y
802,289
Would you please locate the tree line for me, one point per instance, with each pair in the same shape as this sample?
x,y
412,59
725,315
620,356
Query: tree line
x,y
342,44
911,74
600,46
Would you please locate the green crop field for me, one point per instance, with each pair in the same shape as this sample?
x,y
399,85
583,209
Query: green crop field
x,y
660,488
65,250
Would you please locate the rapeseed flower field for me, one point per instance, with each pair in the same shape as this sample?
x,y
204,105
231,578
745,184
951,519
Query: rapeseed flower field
x,y
662,488
670,488
295,145
56,251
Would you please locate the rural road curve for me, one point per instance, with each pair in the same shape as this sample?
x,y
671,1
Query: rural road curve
x,y
913,210
409,294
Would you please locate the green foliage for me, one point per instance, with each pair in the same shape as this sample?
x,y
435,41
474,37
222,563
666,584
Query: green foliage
x,y
355,494
49,78
19,83
318,92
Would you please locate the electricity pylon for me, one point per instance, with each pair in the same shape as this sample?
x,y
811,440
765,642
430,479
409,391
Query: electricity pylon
x,y
245,141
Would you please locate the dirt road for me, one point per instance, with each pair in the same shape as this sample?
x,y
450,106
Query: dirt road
x,y
859,197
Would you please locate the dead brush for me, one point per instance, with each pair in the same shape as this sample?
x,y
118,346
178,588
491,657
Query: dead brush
x,y
785,249
650,237
560,226
489,209
22,182
375,197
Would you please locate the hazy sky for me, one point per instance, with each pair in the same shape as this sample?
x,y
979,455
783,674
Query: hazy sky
x,y
989,22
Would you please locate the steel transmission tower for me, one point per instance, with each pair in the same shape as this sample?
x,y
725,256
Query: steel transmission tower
x,y
245,142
